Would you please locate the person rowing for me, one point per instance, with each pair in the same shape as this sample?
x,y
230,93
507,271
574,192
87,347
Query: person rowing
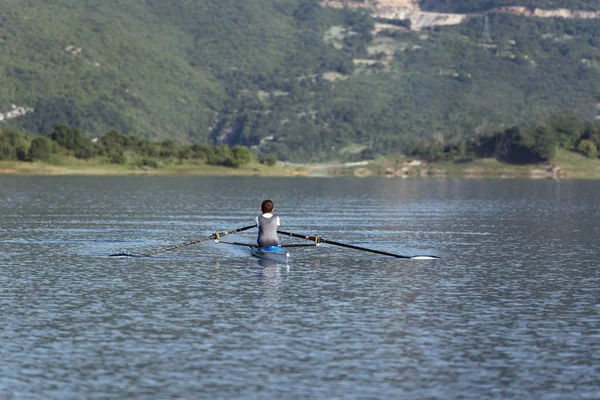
x,y
267,224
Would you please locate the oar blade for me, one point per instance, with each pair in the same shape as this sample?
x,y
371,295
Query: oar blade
x,y
124,255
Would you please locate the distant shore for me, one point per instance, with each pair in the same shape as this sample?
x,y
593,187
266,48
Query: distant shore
x,y
568,165
91,168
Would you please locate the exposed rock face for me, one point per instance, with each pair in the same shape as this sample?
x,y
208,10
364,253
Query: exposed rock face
x,y
374,4
408,4
409,10
15,112
420,19
401,10
556,13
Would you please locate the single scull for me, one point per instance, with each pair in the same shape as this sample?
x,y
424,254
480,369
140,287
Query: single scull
x,y
277,253
273,253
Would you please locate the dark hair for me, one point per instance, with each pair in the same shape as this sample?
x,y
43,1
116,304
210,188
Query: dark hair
x,y
267,206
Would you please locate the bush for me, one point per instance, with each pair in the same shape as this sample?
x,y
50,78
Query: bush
x,y
118,158
269,160
149,162
40,149
14,145
544,144
68,137
587,148
241,156
85,152
114,141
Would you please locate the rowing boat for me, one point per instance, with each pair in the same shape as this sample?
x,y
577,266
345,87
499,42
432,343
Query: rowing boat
x,y
277,253
273,253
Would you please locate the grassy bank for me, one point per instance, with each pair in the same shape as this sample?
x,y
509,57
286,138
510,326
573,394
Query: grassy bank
x,y
95,167
566,165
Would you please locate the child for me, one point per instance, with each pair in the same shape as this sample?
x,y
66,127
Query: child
x,y
267,225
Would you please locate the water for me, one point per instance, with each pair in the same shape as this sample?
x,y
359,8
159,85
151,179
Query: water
x,y
510,311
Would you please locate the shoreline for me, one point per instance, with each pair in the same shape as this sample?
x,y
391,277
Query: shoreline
x,y
83,168
567,166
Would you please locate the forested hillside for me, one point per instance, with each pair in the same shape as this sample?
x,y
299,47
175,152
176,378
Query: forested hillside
x,y
290,77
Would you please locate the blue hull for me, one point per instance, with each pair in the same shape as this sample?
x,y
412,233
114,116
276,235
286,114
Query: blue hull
x,y
273,253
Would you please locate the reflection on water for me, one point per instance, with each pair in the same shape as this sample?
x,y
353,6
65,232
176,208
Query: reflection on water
x,y
510,311
269,272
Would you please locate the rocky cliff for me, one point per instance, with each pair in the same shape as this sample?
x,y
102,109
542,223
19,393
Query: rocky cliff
x,y
556,13
409,10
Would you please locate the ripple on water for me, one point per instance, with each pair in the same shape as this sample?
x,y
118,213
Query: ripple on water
x,y
510,311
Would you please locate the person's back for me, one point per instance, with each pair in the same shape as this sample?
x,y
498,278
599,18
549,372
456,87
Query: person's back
x,y
267,225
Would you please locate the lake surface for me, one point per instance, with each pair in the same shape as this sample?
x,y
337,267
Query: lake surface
x,y
511,310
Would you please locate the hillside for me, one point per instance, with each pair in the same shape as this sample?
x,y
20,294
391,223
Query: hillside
x,y
296,78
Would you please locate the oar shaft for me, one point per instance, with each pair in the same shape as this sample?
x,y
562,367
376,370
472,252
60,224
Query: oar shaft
x,y
351,246
299,245
256,245
297,235
204,239
236,243
318,239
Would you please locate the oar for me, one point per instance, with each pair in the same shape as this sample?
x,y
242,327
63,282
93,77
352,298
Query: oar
x,y
204,239
319,239
237,243
255,245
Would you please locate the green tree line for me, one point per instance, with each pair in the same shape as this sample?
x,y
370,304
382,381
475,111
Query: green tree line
x,y
518,144
114,147
523,144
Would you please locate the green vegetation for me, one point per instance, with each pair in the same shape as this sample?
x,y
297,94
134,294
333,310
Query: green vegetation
x,y
518,145
67,142
533,151
588,148
290,79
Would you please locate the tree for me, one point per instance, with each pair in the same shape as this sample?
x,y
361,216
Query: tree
x,y
40,149
14,144
68,137
592,134
118,157
545,143
113,141
569,127
86,151
241,156
524,146
167,148
587,148
308,10
269,160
